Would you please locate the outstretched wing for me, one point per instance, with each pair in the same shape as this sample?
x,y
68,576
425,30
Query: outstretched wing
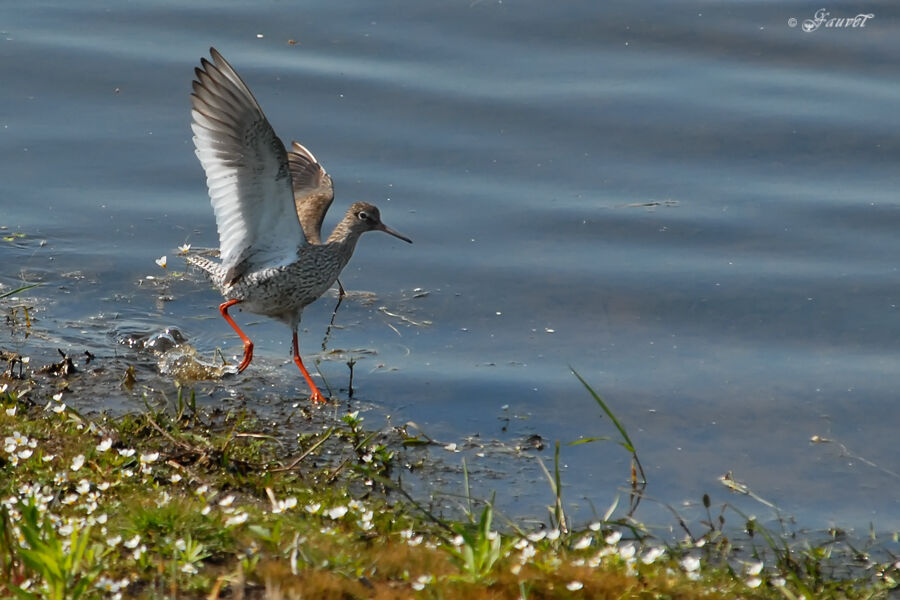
x,y
313,191
246,169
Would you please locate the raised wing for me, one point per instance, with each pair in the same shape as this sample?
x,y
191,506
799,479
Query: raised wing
x,y
313,191
246,171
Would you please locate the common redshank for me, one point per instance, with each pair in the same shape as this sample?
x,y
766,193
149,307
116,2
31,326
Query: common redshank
x,y
269,206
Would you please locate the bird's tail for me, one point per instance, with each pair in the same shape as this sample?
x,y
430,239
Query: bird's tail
x,y
213,269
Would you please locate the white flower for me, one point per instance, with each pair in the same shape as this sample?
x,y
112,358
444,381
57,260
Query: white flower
x,y
237,519
104,445
58,397
690,563
206,510
84,486
77,462
133,542
536,536
652,554
126,452
627,551
114,541
613,538
59,408
553,534
3,388
595,526
753,582
753,568
161,261
11,411
574,586
583,543
139,552
175,478
184,249
149,458
26,453
227,500
188,568
48,457
336,512
451,447
421,581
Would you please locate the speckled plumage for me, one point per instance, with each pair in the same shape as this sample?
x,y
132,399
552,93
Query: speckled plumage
x,y
269,206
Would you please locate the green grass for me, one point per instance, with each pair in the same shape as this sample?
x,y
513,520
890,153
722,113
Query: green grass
x,y
176,503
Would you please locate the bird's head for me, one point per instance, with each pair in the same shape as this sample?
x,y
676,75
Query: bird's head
x,y
366,217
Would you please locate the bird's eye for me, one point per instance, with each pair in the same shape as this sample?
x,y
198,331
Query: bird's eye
x,y
362,215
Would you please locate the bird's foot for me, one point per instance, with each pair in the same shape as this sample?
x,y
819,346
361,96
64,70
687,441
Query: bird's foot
x,y
317,397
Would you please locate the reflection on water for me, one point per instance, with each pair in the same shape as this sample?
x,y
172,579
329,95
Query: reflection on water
x,y
693,206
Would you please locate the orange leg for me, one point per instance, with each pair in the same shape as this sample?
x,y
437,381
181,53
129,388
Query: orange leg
x,y
248,345
315,396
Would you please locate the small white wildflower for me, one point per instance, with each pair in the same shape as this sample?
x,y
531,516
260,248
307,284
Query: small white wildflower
x,y
227,500
104,445
11,411
133,542
77,462
690,563
574,586
59,408
536,536
183,249
492,535
48,457
527,553
595,526
595,560
114,541
58,397
180,545
26,360
161,261
102,518
84,486
553,535
206,510
3,388
753,582
583,543
421,581
416,540
139,552
66,530
200,491
613,538
451,447
149,458
126,452
515,569
237,519
652,554
127,473
188,568
778,581
521,543
26,453
70,499
336,512
753,568
175,478
627,551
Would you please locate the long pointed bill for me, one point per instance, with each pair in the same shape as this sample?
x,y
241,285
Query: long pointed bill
x,y
386,229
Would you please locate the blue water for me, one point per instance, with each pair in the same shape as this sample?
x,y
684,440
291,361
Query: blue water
x,y
693,205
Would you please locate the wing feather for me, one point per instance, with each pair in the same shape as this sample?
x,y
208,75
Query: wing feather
x,y
247,172
313,191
